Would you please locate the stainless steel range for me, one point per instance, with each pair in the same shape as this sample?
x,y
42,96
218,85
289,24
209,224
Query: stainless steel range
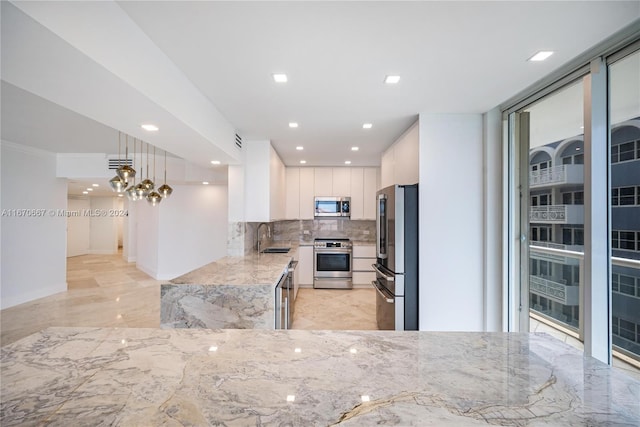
x,y
332,264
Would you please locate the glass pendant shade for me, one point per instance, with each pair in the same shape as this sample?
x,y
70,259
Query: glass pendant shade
x,y
132,194
148,185
125,172
154,198
141,191
165,191
117,184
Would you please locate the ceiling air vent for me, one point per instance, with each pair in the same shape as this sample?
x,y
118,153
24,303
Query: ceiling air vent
x,y
116,163
238,141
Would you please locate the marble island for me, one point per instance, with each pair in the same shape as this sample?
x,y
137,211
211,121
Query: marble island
x,y
233,292
154,377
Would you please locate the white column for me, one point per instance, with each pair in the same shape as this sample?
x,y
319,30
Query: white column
x,y
451,223
597,301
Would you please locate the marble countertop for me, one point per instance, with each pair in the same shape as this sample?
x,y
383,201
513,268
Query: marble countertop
x,y
254,269
151,377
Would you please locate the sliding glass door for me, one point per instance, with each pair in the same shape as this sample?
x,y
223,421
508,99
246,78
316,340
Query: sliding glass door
x,y
624,164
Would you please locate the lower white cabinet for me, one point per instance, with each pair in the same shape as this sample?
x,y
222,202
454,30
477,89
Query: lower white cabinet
x,y
305,265
364,256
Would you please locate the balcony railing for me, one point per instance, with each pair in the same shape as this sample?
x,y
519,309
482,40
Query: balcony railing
x,y
557,214
556,291
556,175
536,252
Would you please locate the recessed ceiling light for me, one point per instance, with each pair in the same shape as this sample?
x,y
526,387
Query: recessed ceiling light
x,y
347,162
391,79
367,126
355,148
215,162
303,161
96,185
541,55
293,125
149,127
89,189
85,192
299,148
205,183
280,78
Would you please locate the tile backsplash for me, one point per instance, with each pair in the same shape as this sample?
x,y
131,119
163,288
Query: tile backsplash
x,y
307,230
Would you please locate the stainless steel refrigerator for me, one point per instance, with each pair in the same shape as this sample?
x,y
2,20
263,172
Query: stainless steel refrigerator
x,y
397,258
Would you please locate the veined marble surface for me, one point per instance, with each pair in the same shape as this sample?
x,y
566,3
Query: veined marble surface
x,y
151,377
252,269
233,292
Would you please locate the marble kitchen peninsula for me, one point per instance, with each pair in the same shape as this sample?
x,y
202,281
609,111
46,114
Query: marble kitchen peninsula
x,y
233,292
155,377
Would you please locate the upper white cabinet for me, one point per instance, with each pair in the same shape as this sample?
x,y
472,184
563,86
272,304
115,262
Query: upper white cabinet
x,y
303,184
264,183
323,184
400,163
307,184
299,193
341,182
292,202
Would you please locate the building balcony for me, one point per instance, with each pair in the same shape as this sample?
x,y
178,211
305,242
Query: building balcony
x,y
537,250
557,214
555,291
557,175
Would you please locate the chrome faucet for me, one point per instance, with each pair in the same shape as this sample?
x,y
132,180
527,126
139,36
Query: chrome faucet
x,y
258,234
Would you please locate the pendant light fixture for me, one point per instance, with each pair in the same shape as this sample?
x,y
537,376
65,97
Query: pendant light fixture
x,y
140,188
147,184
165,190
131,191
125,171
116,183
154,197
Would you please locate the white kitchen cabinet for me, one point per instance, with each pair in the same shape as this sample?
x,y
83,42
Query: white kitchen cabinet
x,y
364,256
387,168
264,189
307,194
292,202
371,185
341,182
357,193
323,182
400,163
305,265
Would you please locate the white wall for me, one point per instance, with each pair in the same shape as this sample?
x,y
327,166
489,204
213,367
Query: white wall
x,y
184,232
104,226
78,228
33,248
257,180
451,222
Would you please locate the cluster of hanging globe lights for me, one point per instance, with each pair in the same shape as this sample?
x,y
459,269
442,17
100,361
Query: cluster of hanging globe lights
x,y
145,189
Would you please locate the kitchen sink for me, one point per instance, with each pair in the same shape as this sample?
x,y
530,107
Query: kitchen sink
x,y
276,250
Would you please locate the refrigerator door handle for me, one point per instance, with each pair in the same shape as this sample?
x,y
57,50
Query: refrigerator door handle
x,y
387,277
387,298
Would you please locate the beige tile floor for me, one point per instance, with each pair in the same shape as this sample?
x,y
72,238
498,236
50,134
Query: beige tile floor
x,y
106,291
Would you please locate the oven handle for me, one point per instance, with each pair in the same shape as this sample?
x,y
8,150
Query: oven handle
x,y
333,251
386,276
390,300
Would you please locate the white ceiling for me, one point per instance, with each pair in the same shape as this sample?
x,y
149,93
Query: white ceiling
x,y
207,66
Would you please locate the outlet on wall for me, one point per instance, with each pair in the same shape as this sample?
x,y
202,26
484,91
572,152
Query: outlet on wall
x,y
365,232
305,231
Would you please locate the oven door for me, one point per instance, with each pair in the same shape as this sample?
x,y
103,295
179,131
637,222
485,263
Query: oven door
x,y
332,263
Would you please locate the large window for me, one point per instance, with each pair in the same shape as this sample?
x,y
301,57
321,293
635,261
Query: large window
x,y
556,196
624,110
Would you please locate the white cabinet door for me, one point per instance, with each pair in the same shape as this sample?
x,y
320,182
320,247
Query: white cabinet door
x,y
305,264
406,158
323,182
369,193
357,193
307,193
341,182
387,171
292,202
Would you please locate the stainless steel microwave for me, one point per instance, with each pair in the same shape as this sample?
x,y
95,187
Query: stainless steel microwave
x,y
332,206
